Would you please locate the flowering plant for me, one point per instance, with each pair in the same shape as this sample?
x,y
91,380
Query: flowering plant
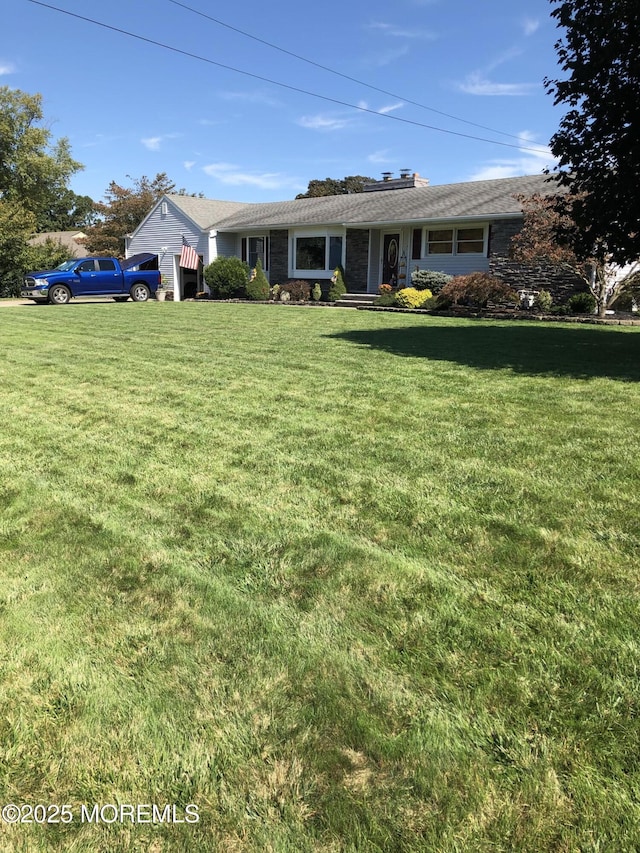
x,y
385,288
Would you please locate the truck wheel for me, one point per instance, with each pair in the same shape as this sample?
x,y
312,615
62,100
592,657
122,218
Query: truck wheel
x,y
140,292
59,294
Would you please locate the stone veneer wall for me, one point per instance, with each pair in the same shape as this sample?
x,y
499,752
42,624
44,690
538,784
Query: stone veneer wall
x,y
560,284
357,259
278,256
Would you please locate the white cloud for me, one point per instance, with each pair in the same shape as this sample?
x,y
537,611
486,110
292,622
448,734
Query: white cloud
x,y
387,57
403,32
323,122
230,174
251,98
525,162
7,68
152,143
477,84
391,108
380,158
530,26
189,164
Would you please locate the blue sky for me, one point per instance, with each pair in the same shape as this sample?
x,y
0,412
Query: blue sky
x,y
131,107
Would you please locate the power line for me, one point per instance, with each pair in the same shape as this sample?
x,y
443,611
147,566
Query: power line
x,y
339,73
284,85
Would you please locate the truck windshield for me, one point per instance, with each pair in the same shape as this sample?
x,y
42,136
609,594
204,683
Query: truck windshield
x,y
67,265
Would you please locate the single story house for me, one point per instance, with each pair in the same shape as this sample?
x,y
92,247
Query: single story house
x,y
379,236
70,240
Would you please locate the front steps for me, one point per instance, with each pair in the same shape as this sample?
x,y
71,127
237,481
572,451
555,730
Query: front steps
x,y
356,300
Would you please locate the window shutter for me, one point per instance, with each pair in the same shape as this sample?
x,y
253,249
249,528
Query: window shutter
x,y
244,249
417,244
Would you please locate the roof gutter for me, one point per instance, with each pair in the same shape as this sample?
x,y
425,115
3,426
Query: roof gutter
x,y
382,223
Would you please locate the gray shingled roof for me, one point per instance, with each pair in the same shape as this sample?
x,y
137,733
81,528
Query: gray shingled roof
x,y
447,201
205,212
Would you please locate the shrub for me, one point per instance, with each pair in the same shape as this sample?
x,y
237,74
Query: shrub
x,y
542,301
338,287
626,301
298,290
258,286
582,303
274,293
316,293
227,277
411,297
476,289
385,288
429,280
386,299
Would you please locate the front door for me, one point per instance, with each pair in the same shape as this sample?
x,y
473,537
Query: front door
x,y
390,258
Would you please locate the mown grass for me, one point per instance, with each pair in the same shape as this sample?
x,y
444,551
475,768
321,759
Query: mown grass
x,y
346,581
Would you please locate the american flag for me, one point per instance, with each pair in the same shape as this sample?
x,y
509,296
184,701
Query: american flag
x,y
188,256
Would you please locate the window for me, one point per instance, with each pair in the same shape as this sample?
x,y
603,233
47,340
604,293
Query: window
x,y
311,253
316,253
470,241
440,242
453,241
106,265
254,249
86,266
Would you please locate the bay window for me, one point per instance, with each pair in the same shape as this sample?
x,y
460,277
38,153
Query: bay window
x,y
315,253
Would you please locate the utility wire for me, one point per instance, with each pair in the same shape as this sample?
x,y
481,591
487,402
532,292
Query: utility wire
x,y
284,85
339,73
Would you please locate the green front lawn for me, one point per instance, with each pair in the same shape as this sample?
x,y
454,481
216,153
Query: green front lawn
x,y
343,580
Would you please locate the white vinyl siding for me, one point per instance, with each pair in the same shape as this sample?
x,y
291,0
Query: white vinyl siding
x,y
453,249
162,233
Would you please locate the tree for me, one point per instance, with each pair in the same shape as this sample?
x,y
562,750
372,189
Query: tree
x,y
122,212
550,234
597,142
47,255
69,211
33,176
33,172
335,186
16,226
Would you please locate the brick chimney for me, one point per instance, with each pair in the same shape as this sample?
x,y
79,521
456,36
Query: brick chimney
x,y
407,180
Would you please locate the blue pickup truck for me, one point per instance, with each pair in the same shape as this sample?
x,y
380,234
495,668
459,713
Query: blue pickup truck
x,y
137,277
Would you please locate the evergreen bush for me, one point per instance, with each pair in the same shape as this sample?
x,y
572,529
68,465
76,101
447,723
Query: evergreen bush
x,y
542,301
582,303
338,287
258,286
227,278
429,280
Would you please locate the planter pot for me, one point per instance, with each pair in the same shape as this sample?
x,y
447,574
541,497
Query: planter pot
x,y
161,295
